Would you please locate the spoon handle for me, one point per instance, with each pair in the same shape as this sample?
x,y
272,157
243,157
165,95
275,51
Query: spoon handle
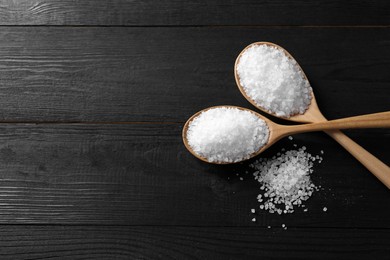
x,y
376,120
373,164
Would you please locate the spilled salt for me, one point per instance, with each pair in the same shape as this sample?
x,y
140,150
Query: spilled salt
x,y
285,180
273,80
227,134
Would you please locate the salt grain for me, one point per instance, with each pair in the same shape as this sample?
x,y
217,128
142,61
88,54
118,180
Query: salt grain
x,y
325,209
253,210
227,134
253,219
285,180
273,80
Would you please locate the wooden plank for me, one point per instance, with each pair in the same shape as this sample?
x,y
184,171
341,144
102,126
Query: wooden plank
x,y
216,12
80,242
141,174
167,74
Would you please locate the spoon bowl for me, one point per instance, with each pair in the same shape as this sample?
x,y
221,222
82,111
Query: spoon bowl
x,y
187,124
312,113
277,131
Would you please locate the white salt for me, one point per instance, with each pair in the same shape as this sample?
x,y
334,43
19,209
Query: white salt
x,y
325,209
227,134
253,210
273,80
253,219
285,180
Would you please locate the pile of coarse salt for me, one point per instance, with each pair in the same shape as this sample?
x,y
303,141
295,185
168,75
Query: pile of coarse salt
x,y
285,180
273,80
227,134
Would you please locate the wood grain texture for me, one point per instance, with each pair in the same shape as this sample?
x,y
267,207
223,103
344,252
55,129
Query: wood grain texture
x,y
141,174
90,242
167,74
215,12
103,190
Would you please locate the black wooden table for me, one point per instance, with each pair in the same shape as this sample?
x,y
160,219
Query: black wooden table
x,y
93,97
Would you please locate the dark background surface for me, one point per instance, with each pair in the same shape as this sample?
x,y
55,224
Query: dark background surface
x,y
77,183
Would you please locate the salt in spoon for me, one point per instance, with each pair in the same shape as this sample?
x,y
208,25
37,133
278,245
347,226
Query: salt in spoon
x,y
313,114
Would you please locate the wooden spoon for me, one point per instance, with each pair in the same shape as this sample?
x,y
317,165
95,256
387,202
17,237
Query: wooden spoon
x,y
277,131
313,114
